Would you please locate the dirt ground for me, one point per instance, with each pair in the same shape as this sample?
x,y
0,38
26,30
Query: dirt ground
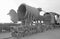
x,y
53,34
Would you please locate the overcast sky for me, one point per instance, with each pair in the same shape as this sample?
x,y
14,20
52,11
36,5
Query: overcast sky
x,y
46,5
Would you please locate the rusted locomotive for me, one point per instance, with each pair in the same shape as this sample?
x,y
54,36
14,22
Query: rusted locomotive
x,y
30,14
27,15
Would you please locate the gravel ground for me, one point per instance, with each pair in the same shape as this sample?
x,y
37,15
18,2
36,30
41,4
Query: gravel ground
x,y
53,34
4,35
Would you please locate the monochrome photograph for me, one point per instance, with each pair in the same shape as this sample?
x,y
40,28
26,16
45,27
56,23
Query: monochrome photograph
x,y
29,19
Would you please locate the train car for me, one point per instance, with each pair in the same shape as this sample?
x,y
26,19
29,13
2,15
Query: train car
x,y
50,18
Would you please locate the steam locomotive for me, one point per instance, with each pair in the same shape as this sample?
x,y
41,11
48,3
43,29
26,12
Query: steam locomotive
x,y
30,14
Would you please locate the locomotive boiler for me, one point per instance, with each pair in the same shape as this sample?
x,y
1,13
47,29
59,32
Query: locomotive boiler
x,y
28,13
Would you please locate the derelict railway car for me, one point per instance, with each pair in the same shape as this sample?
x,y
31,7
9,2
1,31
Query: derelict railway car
x,y
51,18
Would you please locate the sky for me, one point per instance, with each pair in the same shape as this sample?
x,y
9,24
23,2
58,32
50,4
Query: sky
x,y
46,5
